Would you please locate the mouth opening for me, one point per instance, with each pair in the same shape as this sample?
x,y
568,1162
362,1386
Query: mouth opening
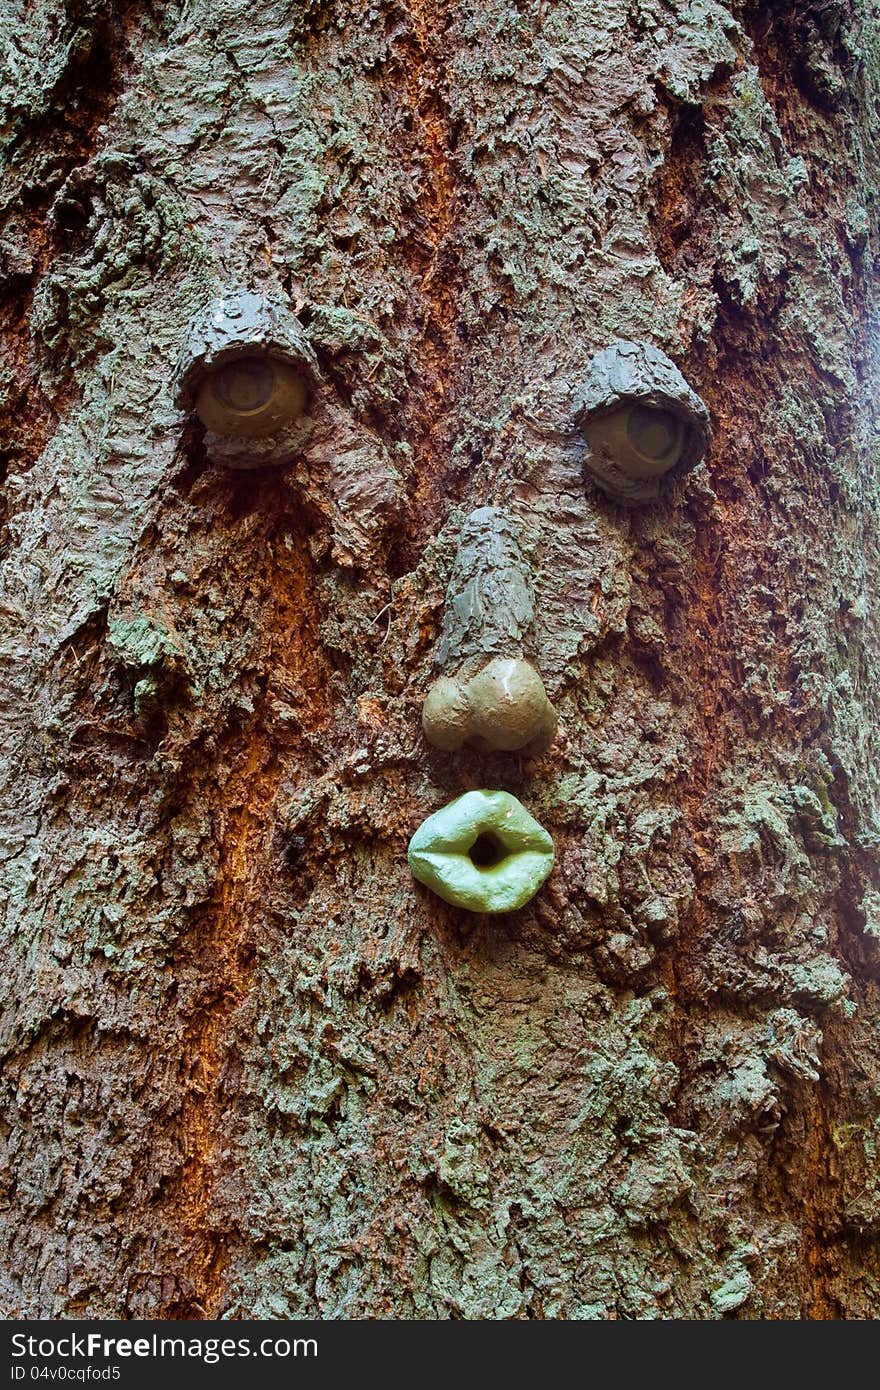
x,y
487,851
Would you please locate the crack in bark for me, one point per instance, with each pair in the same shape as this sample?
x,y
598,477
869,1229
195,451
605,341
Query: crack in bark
x,y
438,280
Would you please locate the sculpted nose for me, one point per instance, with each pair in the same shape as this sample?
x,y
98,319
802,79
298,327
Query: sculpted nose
x,y
504,707
490,696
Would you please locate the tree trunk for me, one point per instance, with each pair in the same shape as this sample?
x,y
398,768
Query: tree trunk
x,y
252,1067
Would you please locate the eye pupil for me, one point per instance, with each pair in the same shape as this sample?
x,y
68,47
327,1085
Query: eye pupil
x,y
244,386
652,431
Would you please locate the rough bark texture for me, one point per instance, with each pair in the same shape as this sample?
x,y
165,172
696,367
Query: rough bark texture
x,y
249,1067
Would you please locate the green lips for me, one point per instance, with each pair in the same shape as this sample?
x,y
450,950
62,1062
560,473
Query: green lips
x,y
483,852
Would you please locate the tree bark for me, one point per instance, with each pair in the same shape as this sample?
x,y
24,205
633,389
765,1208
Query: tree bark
x,y
250,1067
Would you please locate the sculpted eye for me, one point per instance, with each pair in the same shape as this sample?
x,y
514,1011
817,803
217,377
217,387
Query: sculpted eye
x,y
644,441
251,397
641,422
248,371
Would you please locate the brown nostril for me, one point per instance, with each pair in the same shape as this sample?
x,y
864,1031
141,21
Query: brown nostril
x,y
504,707
508,706
445,715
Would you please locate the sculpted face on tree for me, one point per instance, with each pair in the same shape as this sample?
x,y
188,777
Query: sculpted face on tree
x,y
247,370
